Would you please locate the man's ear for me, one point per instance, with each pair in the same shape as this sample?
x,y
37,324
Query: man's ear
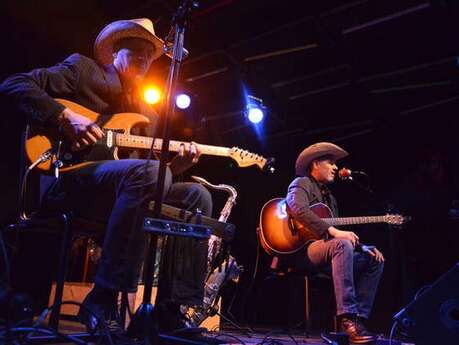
x,y
314,164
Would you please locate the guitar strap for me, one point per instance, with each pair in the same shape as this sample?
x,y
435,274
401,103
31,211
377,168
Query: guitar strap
x,y
130,100
326,197
326,194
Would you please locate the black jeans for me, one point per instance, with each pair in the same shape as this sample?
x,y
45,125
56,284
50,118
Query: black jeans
x,y
113,192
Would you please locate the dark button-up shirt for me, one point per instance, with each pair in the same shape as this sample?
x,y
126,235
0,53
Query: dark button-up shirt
x,y
304,192
78,79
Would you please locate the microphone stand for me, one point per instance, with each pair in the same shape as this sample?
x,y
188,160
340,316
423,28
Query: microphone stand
x,y
365,187
144,323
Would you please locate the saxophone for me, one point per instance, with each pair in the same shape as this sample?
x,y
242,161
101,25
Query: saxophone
x,y
218,273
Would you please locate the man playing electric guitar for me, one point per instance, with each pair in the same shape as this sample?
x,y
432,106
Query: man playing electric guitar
x,y
112,190
355,275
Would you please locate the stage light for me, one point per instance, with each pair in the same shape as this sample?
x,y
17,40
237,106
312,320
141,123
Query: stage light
x,y
255,110
152,95
255,114
183,101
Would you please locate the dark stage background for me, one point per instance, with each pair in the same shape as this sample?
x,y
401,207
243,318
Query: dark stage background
x,y
379,78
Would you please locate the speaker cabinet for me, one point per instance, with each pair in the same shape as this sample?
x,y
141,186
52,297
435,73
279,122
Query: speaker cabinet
x,y
433,317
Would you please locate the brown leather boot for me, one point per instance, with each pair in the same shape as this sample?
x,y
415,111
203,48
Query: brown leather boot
x,y
357,332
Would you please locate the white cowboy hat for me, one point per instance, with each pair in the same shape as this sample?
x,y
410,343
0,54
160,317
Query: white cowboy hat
x,y
132,28
316,151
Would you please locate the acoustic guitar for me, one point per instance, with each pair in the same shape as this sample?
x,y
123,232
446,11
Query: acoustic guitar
x,y
281,234
47,147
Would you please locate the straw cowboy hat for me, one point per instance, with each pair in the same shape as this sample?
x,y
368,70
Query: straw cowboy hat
x,y
132,28
316,151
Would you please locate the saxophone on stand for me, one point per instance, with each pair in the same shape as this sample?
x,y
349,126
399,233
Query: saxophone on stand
x,y
218,272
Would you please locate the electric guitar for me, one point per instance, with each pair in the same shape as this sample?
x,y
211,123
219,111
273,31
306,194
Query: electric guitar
x,y
47,147
280,234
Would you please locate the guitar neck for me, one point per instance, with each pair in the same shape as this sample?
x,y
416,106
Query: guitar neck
x,y
355,220
141,142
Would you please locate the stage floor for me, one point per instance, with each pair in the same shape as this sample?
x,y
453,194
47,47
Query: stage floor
x,y
285,337
258,336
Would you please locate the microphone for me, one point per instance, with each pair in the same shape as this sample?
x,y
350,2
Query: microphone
x,y
347,174
168,50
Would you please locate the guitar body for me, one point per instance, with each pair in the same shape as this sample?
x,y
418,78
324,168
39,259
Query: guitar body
x,y
42,139
280,234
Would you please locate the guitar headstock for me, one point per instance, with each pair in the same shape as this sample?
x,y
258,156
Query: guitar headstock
x,y
396,219
245,158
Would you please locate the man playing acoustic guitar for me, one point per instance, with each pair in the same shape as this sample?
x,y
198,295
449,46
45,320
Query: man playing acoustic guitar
x,y
355,274
112,190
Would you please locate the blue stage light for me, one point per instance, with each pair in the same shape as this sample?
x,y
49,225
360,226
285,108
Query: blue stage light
x,y
255,114
183,101
255,110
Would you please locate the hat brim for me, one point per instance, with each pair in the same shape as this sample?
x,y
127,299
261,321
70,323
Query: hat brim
x,y
105,41
314,152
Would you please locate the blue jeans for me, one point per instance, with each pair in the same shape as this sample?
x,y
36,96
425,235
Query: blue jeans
x,y
355,275
117,193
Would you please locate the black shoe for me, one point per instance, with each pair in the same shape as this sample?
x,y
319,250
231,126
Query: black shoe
x,y
357,332
99,309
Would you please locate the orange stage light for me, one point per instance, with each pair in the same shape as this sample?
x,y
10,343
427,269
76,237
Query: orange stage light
x,y
152,95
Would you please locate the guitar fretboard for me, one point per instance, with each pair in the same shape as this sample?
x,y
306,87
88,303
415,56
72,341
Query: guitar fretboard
x,y
355,220
141,142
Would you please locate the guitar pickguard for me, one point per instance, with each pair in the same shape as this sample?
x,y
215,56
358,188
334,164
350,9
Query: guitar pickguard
x,y
97,152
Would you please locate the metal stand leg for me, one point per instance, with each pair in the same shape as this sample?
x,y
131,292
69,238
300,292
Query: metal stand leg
x,y
144,323
61,273
235,325
307,316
